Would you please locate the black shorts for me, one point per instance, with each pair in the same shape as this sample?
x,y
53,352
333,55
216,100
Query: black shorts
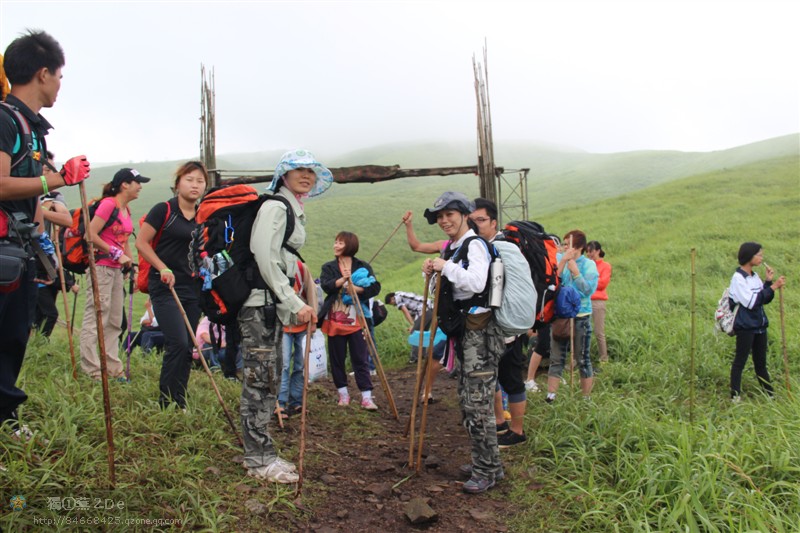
x,y
511,367
543,341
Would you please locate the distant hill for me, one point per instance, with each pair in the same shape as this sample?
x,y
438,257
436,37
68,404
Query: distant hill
x,y
559,176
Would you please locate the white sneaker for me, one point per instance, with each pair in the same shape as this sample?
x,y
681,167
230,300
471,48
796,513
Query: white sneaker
x,y
531,386
344,400
278,471
25,434
368,404
373,373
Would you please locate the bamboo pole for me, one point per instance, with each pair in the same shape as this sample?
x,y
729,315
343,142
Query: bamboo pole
x,y
66,304
371,346
420,349
783,343
692,342
205,365
301,457
101,344
385,243
428,366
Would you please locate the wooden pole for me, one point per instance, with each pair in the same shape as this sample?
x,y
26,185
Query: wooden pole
x,y
371,346
101,344
66,304
413,418
428,365
692,342
300,461
385,243
783,343
205,365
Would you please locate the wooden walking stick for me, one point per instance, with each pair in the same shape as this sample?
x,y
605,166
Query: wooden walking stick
x,y
74,304
692,344
413,418
571,345
300,458
371,346
66,304
428,365
385,243
131,286
783,343
101,343
205,365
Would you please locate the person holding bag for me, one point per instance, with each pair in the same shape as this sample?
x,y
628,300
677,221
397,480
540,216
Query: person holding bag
x,y
164,242
340,317
580,273
750,325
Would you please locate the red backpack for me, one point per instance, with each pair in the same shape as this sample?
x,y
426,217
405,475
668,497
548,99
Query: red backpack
x,y
144,267
74,248
540,249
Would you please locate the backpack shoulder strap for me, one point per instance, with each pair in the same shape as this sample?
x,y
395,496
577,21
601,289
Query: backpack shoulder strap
x,y
23,132
289,225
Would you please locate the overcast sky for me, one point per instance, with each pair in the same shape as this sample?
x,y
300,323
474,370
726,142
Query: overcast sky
x,y
333,76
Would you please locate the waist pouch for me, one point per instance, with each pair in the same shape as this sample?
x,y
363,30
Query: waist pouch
x,y
13,263
560,329
479,321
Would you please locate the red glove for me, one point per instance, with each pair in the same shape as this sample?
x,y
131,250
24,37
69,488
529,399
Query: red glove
x,y
75,170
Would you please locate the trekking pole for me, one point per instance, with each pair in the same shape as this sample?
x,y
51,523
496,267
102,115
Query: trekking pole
x,y
571,346
413,418
783,343
371,346
101,343
300,458
130,323
66,305
692,343
385,243
205,366
74,304
428,365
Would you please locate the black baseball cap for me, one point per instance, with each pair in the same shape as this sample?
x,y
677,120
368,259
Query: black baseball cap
x,y
127,175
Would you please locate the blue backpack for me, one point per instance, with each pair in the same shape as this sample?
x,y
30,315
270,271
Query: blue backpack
x,y
568,302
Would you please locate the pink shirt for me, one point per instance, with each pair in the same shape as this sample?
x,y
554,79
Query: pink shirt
x,y
118,232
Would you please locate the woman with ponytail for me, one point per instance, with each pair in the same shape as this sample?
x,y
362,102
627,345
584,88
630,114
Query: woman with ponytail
x,y
110,227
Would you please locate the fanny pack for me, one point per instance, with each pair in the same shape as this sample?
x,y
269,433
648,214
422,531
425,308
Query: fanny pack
x,y
13,264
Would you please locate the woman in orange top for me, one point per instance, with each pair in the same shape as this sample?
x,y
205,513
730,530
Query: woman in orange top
x,y
595,253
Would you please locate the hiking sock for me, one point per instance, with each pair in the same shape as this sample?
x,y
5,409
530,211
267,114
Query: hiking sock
x,y
366,395
551,397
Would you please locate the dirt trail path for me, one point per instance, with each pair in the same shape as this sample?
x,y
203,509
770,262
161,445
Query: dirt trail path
x,y
357,484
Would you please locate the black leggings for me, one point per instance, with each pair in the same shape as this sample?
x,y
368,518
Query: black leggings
x,y
746,341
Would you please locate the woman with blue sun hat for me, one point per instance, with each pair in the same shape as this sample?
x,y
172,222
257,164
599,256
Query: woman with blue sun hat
x,y
298,176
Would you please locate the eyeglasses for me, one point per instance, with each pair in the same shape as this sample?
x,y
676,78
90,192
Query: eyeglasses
x,y
481,220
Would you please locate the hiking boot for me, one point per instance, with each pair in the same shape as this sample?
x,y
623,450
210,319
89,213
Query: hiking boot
x,y
531,386
503,428
551,397
510,439
477,485
466,470
344,400
278,471
368,404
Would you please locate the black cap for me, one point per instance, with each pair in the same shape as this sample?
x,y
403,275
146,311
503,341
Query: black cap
x,y
127,175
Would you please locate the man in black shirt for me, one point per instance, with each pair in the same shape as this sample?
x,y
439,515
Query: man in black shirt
x,y
33,65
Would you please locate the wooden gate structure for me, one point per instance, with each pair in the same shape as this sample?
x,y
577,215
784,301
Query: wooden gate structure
x,y
507,188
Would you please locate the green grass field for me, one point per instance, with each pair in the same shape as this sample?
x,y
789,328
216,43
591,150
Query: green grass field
x,y
629,460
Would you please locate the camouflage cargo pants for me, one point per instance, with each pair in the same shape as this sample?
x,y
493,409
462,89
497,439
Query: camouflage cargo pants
x,y
482,351
261,349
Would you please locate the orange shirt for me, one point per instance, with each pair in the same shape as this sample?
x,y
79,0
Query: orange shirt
x,y
604,277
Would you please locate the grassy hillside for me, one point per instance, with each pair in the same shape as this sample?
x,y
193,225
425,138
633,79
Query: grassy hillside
x,y
558,174
630,460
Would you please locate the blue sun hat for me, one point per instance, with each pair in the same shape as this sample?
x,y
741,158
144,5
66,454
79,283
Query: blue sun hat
x,y
302,159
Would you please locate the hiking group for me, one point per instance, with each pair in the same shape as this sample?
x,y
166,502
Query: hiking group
x,y
494,288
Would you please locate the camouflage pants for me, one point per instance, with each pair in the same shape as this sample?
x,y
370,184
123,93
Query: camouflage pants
x,y
482,351
261,349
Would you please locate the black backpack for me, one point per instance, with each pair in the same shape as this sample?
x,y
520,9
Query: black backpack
x,y
220,255
539,249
